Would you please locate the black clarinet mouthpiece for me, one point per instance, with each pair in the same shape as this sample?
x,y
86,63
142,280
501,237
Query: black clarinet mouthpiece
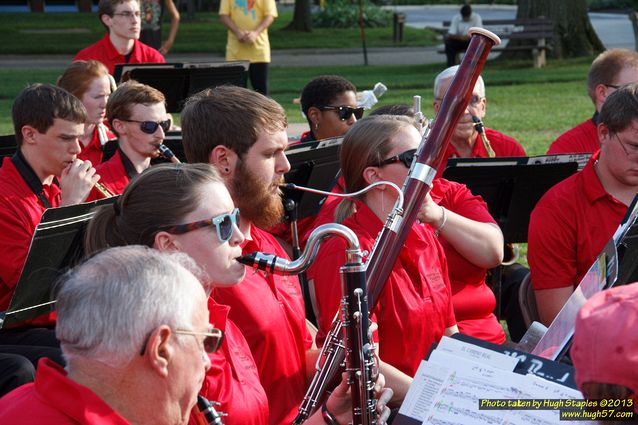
x,y
478,124
259,260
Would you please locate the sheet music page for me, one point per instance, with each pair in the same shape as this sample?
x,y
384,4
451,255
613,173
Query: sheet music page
x,y
458,400
474,353
427,383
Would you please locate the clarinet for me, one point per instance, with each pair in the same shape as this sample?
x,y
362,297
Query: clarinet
x,y
166,153
211,416
354,322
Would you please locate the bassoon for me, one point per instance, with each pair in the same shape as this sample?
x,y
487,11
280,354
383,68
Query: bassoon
x,y
418,183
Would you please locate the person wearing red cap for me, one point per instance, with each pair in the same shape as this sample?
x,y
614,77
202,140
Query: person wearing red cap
x,y
573,221
605,347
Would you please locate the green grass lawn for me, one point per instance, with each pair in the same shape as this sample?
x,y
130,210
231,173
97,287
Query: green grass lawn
x,y
67,33
532,105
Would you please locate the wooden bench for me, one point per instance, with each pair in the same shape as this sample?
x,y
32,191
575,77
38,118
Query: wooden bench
x,y
539,31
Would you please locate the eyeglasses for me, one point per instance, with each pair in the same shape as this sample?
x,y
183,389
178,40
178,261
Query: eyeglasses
x,y
613,86
632,152
128,15
474,100
224,223
212,340
344,112
405,157
150,127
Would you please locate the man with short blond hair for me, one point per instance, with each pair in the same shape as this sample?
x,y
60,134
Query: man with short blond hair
x,y
610,70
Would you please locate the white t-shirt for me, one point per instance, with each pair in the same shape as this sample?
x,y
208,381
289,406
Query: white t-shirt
x,y
460,27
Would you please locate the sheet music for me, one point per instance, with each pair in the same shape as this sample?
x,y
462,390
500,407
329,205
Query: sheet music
x,y
474,353
448,389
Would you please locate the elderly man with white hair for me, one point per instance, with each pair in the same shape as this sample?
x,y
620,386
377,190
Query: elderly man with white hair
x,y
133,327
469,141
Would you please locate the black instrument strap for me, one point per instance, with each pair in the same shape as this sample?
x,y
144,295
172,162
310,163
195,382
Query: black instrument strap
x,y
31,178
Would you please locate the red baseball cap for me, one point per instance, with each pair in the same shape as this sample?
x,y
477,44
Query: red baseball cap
x,y
605,346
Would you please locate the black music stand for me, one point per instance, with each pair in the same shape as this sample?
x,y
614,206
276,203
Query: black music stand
x,y
315,165
57,244
511,187
179,81
8,146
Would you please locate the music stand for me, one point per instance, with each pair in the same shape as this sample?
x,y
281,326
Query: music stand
x,y
179,81
312,164
8,145
57,244
316,165
511,187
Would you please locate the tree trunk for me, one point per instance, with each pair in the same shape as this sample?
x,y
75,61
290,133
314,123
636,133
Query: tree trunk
x,y
301,19
573,33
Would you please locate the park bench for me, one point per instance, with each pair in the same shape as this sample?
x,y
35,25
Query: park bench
x,y
538,31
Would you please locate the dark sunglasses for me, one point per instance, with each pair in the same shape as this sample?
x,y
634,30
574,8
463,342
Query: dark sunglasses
x,y
405,157
344,112
150,127
223,223
212,340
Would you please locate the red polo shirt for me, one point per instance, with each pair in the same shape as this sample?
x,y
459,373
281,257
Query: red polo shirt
x,y
55,399
473,300
20,213
104,51
93,151
269,310
569,227
113,174
581,139
232,379
415,305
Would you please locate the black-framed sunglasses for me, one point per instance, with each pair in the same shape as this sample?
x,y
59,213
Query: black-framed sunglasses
x,y
224,224
150,127
405,157
344,112
212,340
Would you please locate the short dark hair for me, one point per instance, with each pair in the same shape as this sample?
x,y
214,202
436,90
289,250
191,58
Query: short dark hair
x,y
39,104
322,91
107,7
620,108
466,10
230,116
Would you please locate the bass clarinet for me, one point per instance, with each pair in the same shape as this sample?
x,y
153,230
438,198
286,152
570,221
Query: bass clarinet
x,y
354,321
415,188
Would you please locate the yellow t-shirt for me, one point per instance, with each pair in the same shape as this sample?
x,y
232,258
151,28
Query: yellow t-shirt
x,y
247,15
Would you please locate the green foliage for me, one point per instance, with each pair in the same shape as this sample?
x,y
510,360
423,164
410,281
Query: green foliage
x,y
345,14
39,33
448,2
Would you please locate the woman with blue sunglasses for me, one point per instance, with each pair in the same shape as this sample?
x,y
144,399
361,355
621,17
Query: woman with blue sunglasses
x,y
187,208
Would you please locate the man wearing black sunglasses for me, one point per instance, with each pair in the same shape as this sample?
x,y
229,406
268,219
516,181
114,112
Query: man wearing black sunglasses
x,y
134,327
137,115
329,103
